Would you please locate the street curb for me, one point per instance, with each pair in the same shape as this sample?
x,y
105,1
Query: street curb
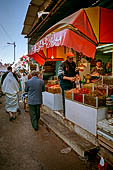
x,y
80,145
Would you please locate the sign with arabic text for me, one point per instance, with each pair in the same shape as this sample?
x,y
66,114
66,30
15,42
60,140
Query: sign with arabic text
x,y
51,40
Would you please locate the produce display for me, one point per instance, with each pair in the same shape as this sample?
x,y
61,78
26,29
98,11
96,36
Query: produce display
x,y
95,98
76,94
53,87
69,93
108,80
88,86
78,97
48,86
100,91
94,93
105,89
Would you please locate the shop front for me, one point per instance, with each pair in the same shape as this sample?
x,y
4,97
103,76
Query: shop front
x,y
81,34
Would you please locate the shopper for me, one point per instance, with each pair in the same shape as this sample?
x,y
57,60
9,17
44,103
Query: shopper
x,y
34,87
98,69
67,74
10,88
108,69
24,78
9,69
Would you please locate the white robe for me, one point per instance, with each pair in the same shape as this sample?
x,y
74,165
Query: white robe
x,y
10,88
23,80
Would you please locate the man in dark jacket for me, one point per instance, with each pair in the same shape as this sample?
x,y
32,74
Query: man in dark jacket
x,y
67,73
34,87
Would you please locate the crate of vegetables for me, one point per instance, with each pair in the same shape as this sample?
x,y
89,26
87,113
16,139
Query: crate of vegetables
x,y
79,95
95,99
90,100
108,80
55,89
68,94
48,86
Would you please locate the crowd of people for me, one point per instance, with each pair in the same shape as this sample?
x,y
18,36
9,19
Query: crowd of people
x,y
12,84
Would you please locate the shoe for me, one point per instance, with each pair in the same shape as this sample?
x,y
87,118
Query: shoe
x,y
11,118
36,129
14,117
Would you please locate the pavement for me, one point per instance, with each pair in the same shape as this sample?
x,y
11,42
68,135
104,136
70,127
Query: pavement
x,y
22,148
80,145
64,130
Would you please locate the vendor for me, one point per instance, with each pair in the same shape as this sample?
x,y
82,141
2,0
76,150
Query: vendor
x,y
98,70
67,74
108,69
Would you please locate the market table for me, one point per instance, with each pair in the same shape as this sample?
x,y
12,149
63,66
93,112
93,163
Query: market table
x,y
53,101
84,116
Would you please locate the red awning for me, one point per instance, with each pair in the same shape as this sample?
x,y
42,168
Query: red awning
x,y
82,31
39,59
66,38
106,26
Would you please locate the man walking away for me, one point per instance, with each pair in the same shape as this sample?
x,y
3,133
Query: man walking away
x,y
34,87
10,88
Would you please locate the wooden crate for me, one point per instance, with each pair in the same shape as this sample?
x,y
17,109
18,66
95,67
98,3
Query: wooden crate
x,y
68,95
108,144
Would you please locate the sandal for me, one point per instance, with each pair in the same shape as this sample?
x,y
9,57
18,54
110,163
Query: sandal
x,y
11,116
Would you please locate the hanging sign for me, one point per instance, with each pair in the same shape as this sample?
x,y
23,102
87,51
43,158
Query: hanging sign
x,y
48,42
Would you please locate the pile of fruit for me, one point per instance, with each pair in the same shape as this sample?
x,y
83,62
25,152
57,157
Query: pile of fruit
x,y
76,94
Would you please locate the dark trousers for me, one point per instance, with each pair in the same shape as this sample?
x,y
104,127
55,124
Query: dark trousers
x,y
63,100
34,111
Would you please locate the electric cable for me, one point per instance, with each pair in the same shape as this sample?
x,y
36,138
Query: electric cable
x,y
5,32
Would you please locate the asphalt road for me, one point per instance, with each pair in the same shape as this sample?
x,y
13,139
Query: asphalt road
x,y
21,148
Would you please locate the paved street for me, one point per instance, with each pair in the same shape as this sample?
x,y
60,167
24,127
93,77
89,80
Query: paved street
x,y
21,148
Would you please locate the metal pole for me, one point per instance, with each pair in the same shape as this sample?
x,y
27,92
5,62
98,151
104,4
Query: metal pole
x,y
14,51
14,48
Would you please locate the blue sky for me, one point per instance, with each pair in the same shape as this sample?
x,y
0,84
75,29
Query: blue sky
x,y
12,16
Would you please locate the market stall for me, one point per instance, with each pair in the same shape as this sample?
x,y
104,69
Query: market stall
x,y
88,105
82,33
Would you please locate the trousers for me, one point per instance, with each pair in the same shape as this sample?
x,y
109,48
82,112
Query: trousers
x,y
34,111
63,100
